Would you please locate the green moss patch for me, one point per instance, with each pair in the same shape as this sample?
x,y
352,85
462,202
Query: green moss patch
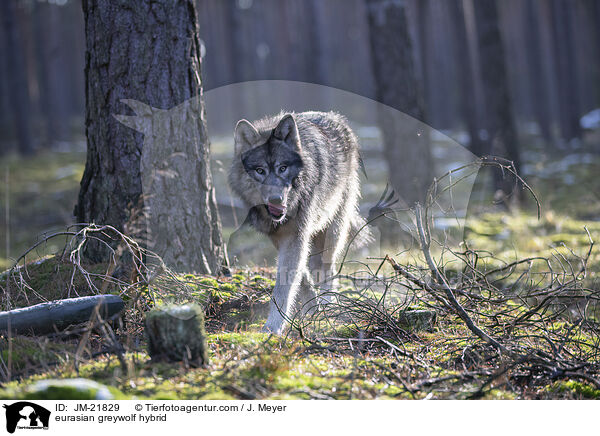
x,y
576,389
53,278
25,355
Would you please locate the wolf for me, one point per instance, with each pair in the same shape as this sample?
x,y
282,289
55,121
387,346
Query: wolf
x,y
298,173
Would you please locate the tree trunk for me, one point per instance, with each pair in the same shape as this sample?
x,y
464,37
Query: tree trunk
x,y
75,33
424,32
595,19
17,78
317,71
148,51
236,41
467,102
548,57
501,138
562,33
406,146
51,71
537,74
5,118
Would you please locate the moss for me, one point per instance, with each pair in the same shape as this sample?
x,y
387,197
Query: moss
x,y
227,289
296,380
498,394
70,389
266,368
580,389
269,366
27,354
520,235
62,389
346,331
164,395
103,370
52,278
241,319
242,339
191,277
209,282
217,395
261,281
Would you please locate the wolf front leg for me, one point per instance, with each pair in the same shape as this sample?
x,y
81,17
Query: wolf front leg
x,y
291,267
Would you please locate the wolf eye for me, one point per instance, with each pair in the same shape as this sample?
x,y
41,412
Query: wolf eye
x,y
282,169
260,171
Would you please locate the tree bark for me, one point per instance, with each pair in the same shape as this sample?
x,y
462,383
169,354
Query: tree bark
x,y
148,52
406,146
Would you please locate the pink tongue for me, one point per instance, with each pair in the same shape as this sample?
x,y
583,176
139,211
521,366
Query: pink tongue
x,y
275,210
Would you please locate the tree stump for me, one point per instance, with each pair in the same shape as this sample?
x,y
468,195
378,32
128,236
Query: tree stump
x,y
414,320
177,333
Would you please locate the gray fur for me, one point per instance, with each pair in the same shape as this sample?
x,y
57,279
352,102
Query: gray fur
x,y
298,175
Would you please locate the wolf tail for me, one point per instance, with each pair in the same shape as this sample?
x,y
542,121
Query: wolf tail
x,y
360,232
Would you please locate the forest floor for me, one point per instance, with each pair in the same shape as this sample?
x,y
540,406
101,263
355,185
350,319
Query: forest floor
x,y
344,359
346,356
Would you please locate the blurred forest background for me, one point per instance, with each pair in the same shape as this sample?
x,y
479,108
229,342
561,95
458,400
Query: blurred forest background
x,y
96,95
516,78
551,52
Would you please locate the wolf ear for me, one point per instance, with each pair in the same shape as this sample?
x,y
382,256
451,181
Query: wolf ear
x,y
287,131
245,135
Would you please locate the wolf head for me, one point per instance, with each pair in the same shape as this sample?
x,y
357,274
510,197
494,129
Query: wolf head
x,y
271,161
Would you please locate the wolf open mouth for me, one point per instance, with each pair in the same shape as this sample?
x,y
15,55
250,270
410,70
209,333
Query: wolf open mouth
x,y
276,212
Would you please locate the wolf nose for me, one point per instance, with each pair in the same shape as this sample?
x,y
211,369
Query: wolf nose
x,y
275,199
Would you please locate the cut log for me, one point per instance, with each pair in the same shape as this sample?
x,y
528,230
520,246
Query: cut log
x,y
57,315
177,333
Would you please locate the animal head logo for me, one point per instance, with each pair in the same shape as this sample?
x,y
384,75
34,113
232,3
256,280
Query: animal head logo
x,y
25,414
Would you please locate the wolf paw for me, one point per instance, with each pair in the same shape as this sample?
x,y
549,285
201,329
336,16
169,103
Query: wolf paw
x,y
272,329
274,324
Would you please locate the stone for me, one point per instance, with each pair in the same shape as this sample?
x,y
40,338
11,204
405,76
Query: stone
x,y
68,389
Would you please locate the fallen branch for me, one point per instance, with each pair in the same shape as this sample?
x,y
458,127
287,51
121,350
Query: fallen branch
x,y
441,281
57,315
